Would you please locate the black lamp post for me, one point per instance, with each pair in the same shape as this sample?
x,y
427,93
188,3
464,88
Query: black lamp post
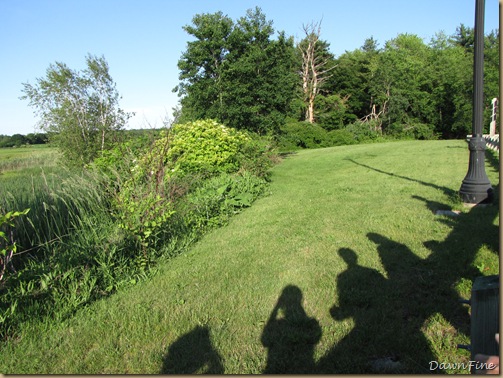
x,y
476,187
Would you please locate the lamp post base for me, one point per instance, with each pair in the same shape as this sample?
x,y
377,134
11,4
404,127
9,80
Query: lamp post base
x,y
476,187
476,195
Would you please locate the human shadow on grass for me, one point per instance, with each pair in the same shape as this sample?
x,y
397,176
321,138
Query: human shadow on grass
x,y
391,315
430,284
381,324
193,353
290,336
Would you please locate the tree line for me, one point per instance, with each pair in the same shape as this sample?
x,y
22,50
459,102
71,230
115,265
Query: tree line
x,y
18,140
244,74
239,74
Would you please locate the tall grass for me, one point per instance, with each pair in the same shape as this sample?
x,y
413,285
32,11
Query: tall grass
x,y
63,245
58,200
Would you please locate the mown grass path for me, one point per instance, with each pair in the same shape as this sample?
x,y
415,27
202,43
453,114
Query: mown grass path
x,y
342,268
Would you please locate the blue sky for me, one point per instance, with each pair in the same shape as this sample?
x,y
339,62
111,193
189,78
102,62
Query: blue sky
x,y
142,40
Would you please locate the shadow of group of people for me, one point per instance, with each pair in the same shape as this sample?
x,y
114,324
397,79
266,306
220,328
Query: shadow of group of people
x,y
389,311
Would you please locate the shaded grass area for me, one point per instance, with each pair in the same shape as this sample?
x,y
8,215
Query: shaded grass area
x,y
343,268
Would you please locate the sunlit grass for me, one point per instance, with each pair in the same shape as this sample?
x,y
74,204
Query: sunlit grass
x,y
15,159
208,309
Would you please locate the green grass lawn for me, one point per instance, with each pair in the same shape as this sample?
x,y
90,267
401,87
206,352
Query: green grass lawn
x,y
343,267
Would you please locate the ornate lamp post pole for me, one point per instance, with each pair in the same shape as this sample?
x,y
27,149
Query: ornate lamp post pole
x,y
476,187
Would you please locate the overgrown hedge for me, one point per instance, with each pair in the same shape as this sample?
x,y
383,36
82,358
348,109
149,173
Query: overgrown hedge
x,y
296,135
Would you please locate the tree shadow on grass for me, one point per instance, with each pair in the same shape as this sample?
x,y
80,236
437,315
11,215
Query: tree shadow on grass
x,y
193,353
290,335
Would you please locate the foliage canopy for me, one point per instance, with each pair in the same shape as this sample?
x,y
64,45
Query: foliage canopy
x,y
236,73
78,109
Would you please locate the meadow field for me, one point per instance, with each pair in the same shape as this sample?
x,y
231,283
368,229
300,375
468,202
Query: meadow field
x,y
37,156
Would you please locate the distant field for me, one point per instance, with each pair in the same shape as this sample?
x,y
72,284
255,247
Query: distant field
x,y
17,158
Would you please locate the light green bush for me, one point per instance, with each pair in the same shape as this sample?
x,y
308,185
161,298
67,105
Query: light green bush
x,y
201,146
144,201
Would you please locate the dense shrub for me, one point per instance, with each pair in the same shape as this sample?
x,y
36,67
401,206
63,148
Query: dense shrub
x,y
215,200
201,146
258,155
331,111
145,197
120,156
295,135
365,132
412,130
341,137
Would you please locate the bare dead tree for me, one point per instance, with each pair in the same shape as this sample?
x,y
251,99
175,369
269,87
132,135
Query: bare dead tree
x,y
315,69
375,116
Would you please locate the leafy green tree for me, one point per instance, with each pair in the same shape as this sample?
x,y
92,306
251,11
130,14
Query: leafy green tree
x,y
4,141
36,138
464,37
491,73
260,79
201,66
351,80
79,110
18,140
330,111
452,78
236,73
15,140
452,75
401,82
